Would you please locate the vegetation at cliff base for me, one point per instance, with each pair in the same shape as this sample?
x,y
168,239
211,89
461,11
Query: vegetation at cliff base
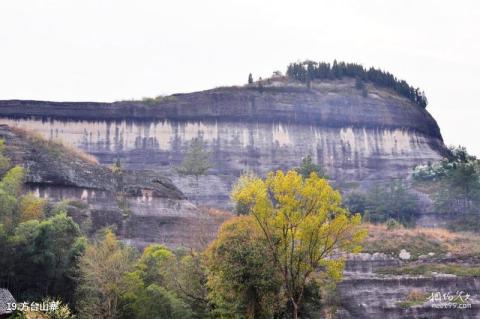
x,y
456,179
242,277
308,71
387,202
39,244
454,186
281,260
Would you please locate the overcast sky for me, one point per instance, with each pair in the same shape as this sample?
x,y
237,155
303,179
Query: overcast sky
x,y
106,50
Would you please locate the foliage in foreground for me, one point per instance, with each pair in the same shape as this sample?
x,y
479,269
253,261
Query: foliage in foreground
x,y
303,224
101,269
38,245
277,261
241,276
270,263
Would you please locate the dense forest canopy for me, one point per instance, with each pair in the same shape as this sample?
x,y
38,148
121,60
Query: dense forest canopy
x,y
309,70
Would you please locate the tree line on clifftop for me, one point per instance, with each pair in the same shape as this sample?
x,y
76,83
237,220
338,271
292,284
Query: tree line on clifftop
x,y
308,71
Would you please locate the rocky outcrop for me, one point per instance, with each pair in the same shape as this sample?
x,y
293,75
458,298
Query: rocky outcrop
x,y
363,293
262,128
143,205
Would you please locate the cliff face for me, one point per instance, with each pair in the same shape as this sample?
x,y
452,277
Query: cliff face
x,y
356,138
366,294
144,206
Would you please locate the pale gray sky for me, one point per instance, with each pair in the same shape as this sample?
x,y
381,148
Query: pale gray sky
x,y
106,50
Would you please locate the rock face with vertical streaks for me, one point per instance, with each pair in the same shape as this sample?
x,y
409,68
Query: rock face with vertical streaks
x,y
143,206
262,128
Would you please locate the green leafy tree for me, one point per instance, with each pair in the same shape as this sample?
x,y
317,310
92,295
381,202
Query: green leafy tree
x,y
151,302
457,180
307,167
145,291
240,207
460,191
10,190
356,202
38,256
359,84
250,78
383,202
50,248
57,246
304,225
392,201
153,262
242,278
101,272
307,71
188,278
4,161
31,207
196,161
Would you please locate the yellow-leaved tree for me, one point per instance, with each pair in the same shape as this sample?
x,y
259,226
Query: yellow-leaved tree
x,y
304,224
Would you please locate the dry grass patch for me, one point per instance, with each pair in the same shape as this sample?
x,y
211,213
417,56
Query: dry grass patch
x,y
74,151
421,241
56,147
414,298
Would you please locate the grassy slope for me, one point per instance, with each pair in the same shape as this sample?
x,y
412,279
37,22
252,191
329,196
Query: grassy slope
x,y
422,241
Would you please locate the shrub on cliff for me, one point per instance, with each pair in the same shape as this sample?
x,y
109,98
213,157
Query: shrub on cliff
x,y
196,161
308,167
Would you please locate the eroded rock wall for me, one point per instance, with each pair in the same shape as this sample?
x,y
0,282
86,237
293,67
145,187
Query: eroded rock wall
x,y
142,205
348,153
363,293
357,139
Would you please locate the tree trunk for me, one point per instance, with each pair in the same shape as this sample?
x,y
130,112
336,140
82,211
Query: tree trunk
x,y
198,190
295,310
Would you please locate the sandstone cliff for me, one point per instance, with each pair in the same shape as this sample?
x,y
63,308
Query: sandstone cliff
x,y
365,294
358,139
260,127
144,206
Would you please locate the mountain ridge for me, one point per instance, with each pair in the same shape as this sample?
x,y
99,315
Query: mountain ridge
x,y
331,103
